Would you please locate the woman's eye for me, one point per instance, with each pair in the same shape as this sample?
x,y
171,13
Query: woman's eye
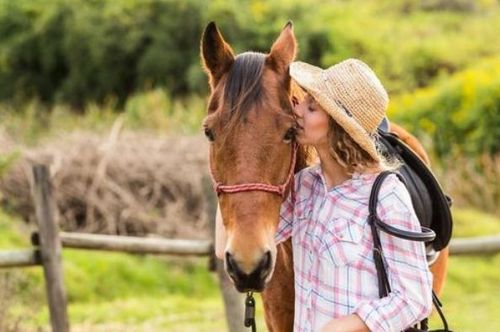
x,y
289,135
209,134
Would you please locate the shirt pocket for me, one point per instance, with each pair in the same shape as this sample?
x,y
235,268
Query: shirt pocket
x,y
341,242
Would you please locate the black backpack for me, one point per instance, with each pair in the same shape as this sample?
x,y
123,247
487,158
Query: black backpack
x,y
431,205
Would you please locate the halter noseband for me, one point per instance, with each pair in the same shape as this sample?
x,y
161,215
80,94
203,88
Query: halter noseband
x,y
236,188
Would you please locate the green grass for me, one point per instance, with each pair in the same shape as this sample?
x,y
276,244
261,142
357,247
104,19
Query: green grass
x,y
119,292
10,232
109,276
173,312
470,297
469,222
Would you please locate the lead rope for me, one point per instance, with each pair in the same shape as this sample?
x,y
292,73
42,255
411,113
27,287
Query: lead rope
x,y
250,312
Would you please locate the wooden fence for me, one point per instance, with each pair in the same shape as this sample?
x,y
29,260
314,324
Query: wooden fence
x,y
48,243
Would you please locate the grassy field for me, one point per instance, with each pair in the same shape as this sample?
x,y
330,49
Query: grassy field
x,y
118,292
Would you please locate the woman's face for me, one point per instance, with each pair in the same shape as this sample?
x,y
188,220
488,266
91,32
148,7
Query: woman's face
x,y
312,123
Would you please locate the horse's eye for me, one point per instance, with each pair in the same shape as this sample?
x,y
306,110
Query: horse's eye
x,y
289,135
210,135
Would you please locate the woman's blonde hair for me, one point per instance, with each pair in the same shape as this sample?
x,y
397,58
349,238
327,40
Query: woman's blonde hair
x,y
351,156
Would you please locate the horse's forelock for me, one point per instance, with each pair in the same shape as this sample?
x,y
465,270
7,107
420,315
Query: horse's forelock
x,y
244,83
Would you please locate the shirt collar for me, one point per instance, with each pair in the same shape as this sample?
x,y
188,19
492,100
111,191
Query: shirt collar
x,y
318,173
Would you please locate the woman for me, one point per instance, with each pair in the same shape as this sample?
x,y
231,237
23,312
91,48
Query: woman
x,y
336,286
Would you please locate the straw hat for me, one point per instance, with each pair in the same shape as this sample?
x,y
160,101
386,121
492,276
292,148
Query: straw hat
x,y
351,93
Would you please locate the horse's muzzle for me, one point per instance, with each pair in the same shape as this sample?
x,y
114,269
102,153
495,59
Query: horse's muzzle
x,y
256,280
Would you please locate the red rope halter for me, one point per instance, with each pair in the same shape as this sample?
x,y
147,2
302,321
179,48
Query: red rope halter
x,y
279,189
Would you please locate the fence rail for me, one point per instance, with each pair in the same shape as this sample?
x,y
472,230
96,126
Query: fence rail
x,y
19,258
133,244
481,245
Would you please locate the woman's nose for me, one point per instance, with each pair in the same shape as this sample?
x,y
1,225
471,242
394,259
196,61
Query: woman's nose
x,y
297,110
294,102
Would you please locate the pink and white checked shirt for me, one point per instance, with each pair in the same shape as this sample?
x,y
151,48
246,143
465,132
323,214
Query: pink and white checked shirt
x,y
332,246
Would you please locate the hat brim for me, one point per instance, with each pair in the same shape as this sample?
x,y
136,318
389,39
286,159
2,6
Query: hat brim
x,y
309,78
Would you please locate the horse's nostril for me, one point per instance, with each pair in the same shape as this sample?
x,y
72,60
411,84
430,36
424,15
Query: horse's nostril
x,y
265,264
230,263
249,281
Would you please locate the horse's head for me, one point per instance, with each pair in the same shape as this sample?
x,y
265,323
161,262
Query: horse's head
x,y
251,127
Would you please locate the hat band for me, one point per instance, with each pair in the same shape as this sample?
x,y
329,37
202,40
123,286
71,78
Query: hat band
x,y
328,85
342,106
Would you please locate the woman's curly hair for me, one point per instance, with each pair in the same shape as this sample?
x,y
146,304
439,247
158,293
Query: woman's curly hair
x,y
351,156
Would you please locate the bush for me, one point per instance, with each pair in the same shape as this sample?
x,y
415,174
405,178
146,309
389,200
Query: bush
x,y
460,116
90,50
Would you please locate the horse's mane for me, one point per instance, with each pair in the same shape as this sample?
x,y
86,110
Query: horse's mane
x,y
244,84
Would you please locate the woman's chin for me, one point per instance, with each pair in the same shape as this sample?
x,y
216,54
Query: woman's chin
x,y
300,139
303,141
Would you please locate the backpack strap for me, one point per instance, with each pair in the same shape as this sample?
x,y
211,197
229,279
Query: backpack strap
x,y
378,256
426,235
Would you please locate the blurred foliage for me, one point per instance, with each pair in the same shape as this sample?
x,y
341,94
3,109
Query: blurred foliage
x,y
6,160
460,115
154,111
80,50
84,51
472,181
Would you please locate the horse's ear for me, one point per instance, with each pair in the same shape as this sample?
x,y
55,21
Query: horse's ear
x,y
283,50
216,54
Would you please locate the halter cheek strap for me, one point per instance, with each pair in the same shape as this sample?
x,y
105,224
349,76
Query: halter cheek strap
x,y
219,187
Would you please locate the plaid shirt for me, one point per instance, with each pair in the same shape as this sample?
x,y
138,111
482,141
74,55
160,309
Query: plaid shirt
x,y
335,273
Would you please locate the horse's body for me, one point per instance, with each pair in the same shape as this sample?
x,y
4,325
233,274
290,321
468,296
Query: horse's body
x,y
252,146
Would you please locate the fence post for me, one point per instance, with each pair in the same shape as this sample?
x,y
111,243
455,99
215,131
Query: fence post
x,y
233,300
50,248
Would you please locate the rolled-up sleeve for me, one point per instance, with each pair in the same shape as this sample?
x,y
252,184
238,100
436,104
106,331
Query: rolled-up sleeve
x,y
410,299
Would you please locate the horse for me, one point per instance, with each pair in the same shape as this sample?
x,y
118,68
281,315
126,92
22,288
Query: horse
x,y
250,126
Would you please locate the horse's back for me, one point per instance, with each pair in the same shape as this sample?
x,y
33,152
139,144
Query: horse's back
x,y
411,141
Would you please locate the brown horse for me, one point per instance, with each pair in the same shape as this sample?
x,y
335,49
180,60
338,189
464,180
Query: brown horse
x,y
250,125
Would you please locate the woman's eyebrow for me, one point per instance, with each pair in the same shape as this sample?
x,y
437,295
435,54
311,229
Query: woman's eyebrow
x,y
311,100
